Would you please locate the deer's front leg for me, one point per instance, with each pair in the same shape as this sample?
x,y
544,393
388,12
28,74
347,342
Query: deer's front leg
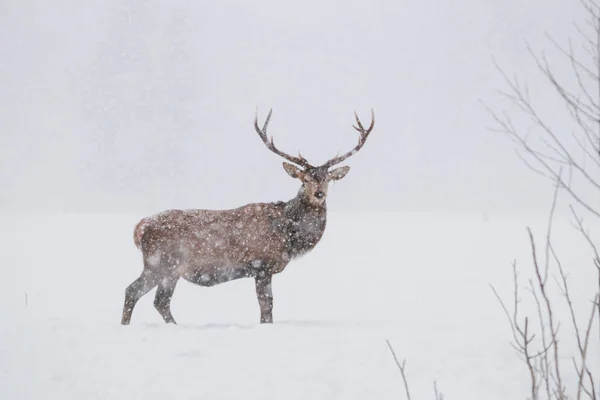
x,y
264,293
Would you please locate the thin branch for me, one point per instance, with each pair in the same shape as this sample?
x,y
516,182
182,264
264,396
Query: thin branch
x,y
575,68
531,167
438,395
400,367
585,234
584,350
597,263
589,8
536,118
545,366
592,74
592,385
521,334
584,36
582,147
581,344
550,223
508,129
549,312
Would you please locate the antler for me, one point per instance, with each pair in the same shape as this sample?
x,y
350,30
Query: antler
x,y
271,146
364,134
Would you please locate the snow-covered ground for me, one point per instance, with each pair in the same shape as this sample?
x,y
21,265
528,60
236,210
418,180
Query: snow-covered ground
x,y
418,280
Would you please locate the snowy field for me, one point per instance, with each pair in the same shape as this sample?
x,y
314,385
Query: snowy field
x,y
418,280
138,105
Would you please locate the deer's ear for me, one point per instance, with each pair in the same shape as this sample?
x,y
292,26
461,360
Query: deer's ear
x,y
338,173
293,171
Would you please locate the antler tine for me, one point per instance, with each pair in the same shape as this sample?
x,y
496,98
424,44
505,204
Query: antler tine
x,y
360,127
364,134
271,146
267,123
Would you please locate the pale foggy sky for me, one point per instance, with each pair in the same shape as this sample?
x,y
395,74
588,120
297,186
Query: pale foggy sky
x,y
118,105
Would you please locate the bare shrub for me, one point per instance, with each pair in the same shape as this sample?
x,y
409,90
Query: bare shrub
x,y
570,158
402,369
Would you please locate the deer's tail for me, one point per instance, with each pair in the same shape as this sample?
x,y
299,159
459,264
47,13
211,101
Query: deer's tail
x,y
138,233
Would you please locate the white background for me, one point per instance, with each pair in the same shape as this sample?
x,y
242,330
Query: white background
x,y
129,105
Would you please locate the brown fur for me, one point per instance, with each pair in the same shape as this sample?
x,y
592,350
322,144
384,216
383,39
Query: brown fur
x,y
203,241
138,232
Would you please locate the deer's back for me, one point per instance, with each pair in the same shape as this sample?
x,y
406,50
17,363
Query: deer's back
x,y
208,239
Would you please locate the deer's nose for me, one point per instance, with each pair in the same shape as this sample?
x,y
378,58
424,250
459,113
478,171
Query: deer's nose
x,y
319,194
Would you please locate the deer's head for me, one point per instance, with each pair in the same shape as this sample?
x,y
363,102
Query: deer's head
x,y
315,180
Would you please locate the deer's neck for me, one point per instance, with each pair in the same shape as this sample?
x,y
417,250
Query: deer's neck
x,y
304,224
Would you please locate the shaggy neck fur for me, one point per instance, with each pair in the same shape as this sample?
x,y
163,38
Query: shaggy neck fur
x,y
304,223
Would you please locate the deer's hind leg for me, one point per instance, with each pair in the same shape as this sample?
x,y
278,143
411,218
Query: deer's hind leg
x,y
138,288
162,299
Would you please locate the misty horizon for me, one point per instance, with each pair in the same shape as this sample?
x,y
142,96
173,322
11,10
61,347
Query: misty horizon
x,y
114,106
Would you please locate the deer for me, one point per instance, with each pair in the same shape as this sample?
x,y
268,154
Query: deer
x,y
257,240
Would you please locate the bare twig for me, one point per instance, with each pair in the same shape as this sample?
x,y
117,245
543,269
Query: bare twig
x,y
438,394
545,372
545,162
584,352
550,223
597,263
583,232
401,367
582,344
549,312
521,335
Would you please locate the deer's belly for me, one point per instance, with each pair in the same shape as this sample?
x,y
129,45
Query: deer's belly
x,y
210,276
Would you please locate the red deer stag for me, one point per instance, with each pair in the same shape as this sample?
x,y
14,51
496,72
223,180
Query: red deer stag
x,y
209,247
